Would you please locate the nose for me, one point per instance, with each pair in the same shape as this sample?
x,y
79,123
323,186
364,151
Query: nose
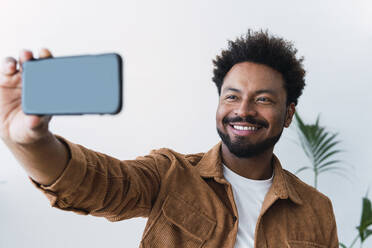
x,y
245,109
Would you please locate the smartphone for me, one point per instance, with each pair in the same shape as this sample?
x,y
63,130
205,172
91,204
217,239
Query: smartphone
x,y
74,85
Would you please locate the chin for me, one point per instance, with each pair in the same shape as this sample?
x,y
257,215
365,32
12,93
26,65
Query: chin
x,y
248,150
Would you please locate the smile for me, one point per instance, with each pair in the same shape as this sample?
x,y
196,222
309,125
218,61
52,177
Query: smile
x,y
248,128
244,128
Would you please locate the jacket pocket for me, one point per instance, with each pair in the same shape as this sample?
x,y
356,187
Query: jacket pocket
x,y
304,244
178,225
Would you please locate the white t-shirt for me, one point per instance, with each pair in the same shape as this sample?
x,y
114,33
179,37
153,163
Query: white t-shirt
x,y
248,195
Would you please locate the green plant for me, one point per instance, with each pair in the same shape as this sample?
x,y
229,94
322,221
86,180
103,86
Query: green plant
x,y
320,146
365,222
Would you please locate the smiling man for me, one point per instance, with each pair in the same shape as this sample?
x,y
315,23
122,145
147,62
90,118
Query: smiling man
x,y
235,195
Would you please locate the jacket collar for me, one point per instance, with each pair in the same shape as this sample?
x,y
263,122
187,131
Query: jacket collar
x,y
210,166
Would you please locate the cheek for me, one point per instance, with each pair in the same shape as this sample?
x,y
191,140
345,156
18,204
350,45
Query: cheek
x,y
219,113
279,117
276,118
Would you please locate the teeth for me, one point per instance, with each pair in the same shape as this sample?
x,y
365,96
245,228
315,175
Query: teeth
x,y
245,128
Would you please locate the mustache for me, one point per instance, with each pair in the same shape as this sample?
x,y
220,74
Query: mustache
x,y
248,119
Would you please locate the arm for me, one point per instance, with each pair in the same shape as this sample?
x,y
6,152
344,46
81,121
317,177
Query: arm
x,y
73,177
43,160
97,184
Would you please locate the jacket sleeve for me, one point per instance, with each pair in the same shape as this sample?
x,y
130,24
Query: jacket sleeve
x,y
97,184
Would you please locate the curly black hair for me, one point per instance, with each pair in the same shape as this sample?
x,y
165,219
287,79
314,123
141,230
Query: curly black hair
x,y
262,48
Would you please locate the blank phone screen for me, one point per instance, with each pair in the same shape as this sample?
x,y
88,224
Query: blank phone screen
x,y
90,84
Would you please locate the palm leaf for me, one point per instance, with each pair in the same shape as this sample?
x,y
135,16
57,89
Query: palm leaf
x,y
325,156
328,155
342,245
329,163
319,145
307,151
368,232
319,155
366,220
299,121
332,168
302,169
305,146
320,138
325,146
304,129
336,170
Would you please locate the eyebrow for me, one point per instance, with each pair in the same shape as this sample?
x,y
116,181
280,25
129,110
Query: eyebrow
x,y
232,89
268,91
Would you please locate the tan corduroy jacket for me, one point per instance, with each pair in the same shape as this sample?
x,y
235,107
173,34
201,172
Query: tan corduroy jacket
x,y
188,202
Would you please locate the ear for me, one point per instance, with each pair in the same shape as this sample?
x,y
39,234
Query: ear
x,y
291,109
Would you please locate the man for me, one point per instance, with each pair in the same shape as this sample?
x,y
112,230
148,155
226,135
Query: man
x,y
236,195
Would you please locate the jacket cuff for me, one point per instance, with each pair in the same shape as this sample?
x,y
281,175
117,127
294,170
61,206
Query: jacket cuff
x,y
70,179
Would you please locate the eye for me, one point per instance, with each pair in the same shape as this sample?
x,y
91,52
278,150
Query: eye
x,y
263,99
231,97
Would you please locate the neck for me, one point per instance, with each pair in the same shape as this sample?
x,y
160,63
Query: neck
x,y
256,167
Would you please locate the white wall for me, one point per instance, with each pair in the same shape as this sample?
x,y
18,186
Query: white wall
x,y
170,100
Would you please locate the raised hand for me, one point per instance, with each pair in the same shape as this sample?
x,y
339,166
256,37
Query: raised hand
x,y
15,126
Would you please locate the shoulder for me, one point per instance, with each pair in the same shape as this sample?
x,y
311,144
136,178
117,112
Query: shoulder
x,y
164,155
316,209
308,194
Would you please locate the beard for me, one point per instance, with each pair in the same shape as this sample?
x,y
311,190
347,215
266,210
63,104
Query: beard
x,y
243,149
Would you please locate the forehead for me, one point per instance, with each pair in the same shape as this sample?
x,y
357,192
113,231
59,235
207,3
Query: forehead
x,y
249,76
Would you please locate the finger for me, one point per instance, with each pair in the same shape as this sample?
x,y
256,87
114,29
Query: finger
x,y
45,53
24,56
12,81
9,66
